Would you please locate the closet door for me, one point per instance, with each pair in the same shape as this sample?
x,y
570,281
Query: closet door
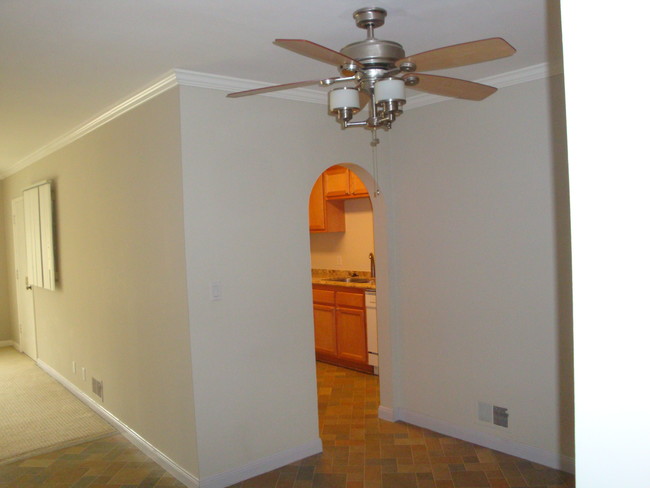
x,y
39,236
33,237
47,234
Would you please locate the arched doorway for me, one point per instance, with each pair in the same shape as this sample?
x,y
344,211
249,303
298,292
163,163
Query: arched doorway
x,y
356,249
343,271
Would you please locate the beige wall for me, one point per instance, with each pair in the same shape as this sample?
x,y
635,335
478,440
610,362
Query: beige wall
x,y
352,246
481,215
5,274
120,307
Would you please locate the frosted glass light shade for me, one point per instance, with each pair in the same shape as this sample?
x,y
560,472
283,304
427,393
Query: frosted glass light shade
x,y
344,98
389,90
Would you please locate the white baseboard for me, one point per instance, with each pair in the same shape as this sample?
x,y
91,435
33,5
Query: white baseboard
x,y
13,344
138,441
534,454
263,465
386,413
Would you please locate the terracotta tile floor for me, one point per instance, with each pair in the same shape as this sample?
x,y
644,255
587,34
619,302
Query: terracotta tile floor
x,y
111,462
361,451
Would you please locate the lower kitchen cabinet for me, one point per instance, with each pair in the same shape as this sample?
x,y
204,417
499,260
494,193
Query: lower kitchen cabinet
x,y
351,335
340,327
325,329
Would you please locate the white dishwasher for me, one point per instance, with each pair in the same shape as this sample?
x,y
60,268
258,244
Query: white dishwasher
x,y
371,329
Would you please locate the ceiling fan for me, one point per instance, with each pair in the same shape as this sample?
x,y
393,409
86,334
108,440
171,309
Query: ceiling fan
x,y
377,71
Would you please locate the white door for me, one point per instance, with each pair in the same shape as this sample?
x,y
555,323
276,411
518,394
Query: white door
x,y
24,294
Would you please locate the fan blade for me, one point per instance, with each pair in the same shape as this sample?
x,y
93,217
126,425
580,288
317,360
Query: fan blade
x,y
452,87
460,54
315,51
267,89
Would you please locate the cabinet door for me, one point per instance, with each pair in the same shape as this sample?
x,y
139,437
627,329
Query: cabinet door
x,y
325,216
325,329
357,188
351,334
317,207
336,182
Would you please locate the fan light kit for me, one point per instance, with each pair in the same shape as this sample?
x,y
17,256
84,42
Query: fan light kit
x,y
376,73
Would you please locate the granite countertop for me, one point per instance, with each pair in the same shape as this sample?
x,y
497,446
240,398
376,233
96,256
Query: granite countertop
x,y
330,276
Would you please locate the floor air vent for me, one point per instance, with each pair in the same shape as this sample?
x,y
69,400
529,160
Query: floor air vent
x,y
98,388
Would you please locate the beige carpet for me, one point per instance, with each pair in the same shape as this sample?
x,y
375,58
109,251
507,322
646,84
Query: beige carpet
x,y
37,414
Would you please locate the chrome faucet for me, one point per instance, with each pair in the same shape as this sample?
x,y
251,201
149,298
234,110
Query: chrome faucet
x,y
372,265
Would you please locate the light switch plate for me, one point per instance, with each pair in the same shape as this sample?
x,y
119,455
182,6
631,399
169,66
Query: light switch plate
x,y
215,291
485,412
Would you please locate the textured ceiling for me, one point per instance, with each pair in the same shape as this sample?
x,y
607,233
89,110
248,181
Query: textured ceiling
x,y
64,62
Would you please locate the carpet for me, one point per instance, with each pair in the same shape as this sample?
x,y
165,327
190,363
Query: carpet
x,y
37,414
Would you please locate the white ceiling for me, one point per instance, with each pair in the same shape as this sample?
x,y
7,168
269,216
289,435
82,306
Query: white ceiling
x,y
63,62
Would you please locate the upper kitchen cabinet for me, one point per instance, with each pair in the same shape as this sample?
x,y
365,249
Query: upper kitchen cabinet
x,y
341,183
325,215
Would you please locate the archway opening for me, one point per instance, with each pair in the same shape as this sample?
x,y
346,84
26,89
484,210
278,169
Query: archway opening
x,y
357,251
343,271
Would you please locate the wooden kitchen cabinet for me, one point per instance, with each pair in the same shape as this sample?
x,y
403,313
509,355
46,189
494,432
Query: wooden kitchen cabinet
x,y
324,215
337,182
340,327
351,335
325,329
341,183
357,188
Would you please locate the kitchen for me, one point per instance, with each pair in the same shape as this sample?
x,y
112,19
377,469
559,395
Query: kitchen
x,y
343,271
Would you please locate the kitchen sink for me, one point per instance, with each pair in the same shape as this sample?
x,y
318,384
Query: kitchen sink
x,y
352,280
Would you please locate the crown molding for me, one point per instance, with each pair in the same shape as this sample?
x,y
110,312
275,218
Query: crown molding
x,y
524,75
229,84
152,91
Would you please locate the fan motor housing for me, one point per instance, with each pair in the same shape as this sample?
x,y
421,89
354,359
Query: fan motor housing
x,y
375,52
369,17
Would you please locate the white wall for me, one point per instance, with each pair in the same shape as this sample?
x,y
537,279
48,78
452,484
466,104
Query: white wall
x,y
120,307
248,168
609,174
478,250
480,211
352,246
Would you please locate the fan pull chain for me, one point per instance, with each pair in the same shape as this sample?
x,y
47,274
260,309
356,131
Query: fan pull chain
x,y
375,167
